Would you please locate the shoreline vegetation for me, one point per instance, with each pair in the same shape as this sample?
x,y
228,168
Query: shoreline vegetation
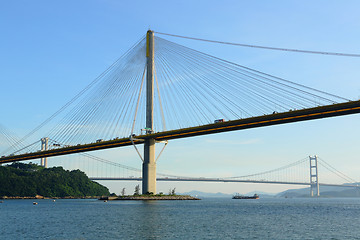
x,y
31,181
41,197
150,197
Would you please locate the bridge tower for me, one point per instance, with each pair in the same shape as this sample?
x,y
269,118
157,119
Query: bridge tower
x,y
314,176
44,147
149,164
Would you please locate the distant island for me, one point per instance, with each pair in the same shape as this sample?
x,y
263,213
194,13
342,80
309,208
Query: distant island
x,y
20,180
152,197
325,191
149,196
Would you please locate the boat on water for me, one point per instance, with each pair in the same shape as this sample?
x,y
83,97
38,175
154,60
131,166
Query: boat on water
x,y
35,203
237,196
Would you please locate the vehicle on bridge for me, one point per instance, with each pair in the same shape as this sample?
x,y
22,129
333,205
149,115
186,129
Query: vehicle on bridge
x,y
219,120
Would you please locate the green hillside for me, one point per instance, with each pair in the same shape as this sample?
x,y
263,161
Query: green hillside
x,y
29,180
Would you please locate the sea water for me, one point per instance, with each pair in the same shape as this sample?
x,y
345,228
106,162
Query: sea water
x,y
307,218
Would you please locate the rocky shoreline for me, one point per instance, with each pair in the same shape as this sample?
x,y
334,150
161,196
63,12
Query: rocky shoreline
x,y
41,197
150,197
141,197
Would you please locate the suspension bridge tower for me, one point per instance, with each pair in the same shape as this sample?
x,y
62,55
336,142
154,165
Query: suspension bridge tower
x,y
149,164
44,147
314,176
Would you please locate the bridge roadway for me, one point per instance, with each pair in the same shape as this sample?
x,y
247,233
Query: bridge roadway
x,y
333,110
216,180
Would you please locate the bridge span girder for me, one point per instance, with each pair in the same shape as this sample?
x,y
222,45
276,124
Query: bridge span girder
x,y
219,180
333,110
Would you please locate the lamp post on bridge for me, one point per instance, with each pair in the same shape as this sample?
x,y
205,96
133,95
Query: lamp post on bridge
x,y
149,164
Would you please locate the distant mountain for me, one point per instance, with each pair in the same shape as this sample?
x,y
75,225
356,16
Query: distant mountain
x,y
200,194
224,195
261,194
325,191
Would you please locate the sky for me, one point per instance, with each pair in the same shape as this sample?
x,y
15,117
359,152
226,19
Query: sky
x,y
50,50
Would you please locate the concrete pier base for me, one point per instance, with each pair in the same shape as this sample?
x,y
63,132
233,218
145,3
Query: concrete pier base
x,y
149,168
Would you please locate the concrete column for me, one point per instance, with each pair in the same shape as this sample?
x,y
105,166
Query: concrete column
x,y
149,165
149,80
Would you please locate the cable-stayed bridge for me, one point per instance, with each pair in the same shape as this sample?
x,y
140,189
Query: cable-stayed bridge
x,y
159,91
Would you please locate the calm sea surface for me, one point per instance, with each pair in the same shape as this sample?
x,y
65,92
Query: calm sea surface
x,y
205,219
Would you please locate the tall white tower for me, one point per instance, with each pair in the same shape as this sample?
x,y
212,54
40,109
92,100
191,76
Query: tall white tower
x,y
314,176
149,164
44,147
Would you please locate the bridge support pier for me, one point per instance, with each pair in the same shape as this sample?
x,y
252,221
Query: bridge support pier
x,y
149,164
149,167
314,177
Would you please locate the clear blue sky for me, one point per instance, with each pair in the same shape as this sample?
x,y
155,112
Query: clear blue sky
x,y
50,50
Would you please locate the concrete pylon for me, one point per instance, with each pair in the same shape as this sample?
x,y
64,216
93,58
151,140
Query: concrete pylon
x,y
149,164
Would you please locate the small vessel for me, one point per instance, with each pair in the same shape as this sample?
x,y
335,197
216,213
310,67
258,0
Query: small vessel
x,y
35,203
237,196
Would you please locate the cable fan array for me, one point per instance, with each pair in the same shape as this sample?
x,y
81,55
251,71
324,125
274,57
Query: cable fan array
x,y
191,89
198,88
8,139
107,109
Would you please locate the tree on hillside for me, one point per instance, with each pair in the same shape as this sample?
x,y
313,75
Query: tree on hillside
x,y
29,180
172,191
137,190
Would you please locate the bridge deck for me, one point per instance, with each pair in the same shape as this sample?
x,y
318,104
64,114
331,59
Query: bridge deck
x,y
240,124
219,180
